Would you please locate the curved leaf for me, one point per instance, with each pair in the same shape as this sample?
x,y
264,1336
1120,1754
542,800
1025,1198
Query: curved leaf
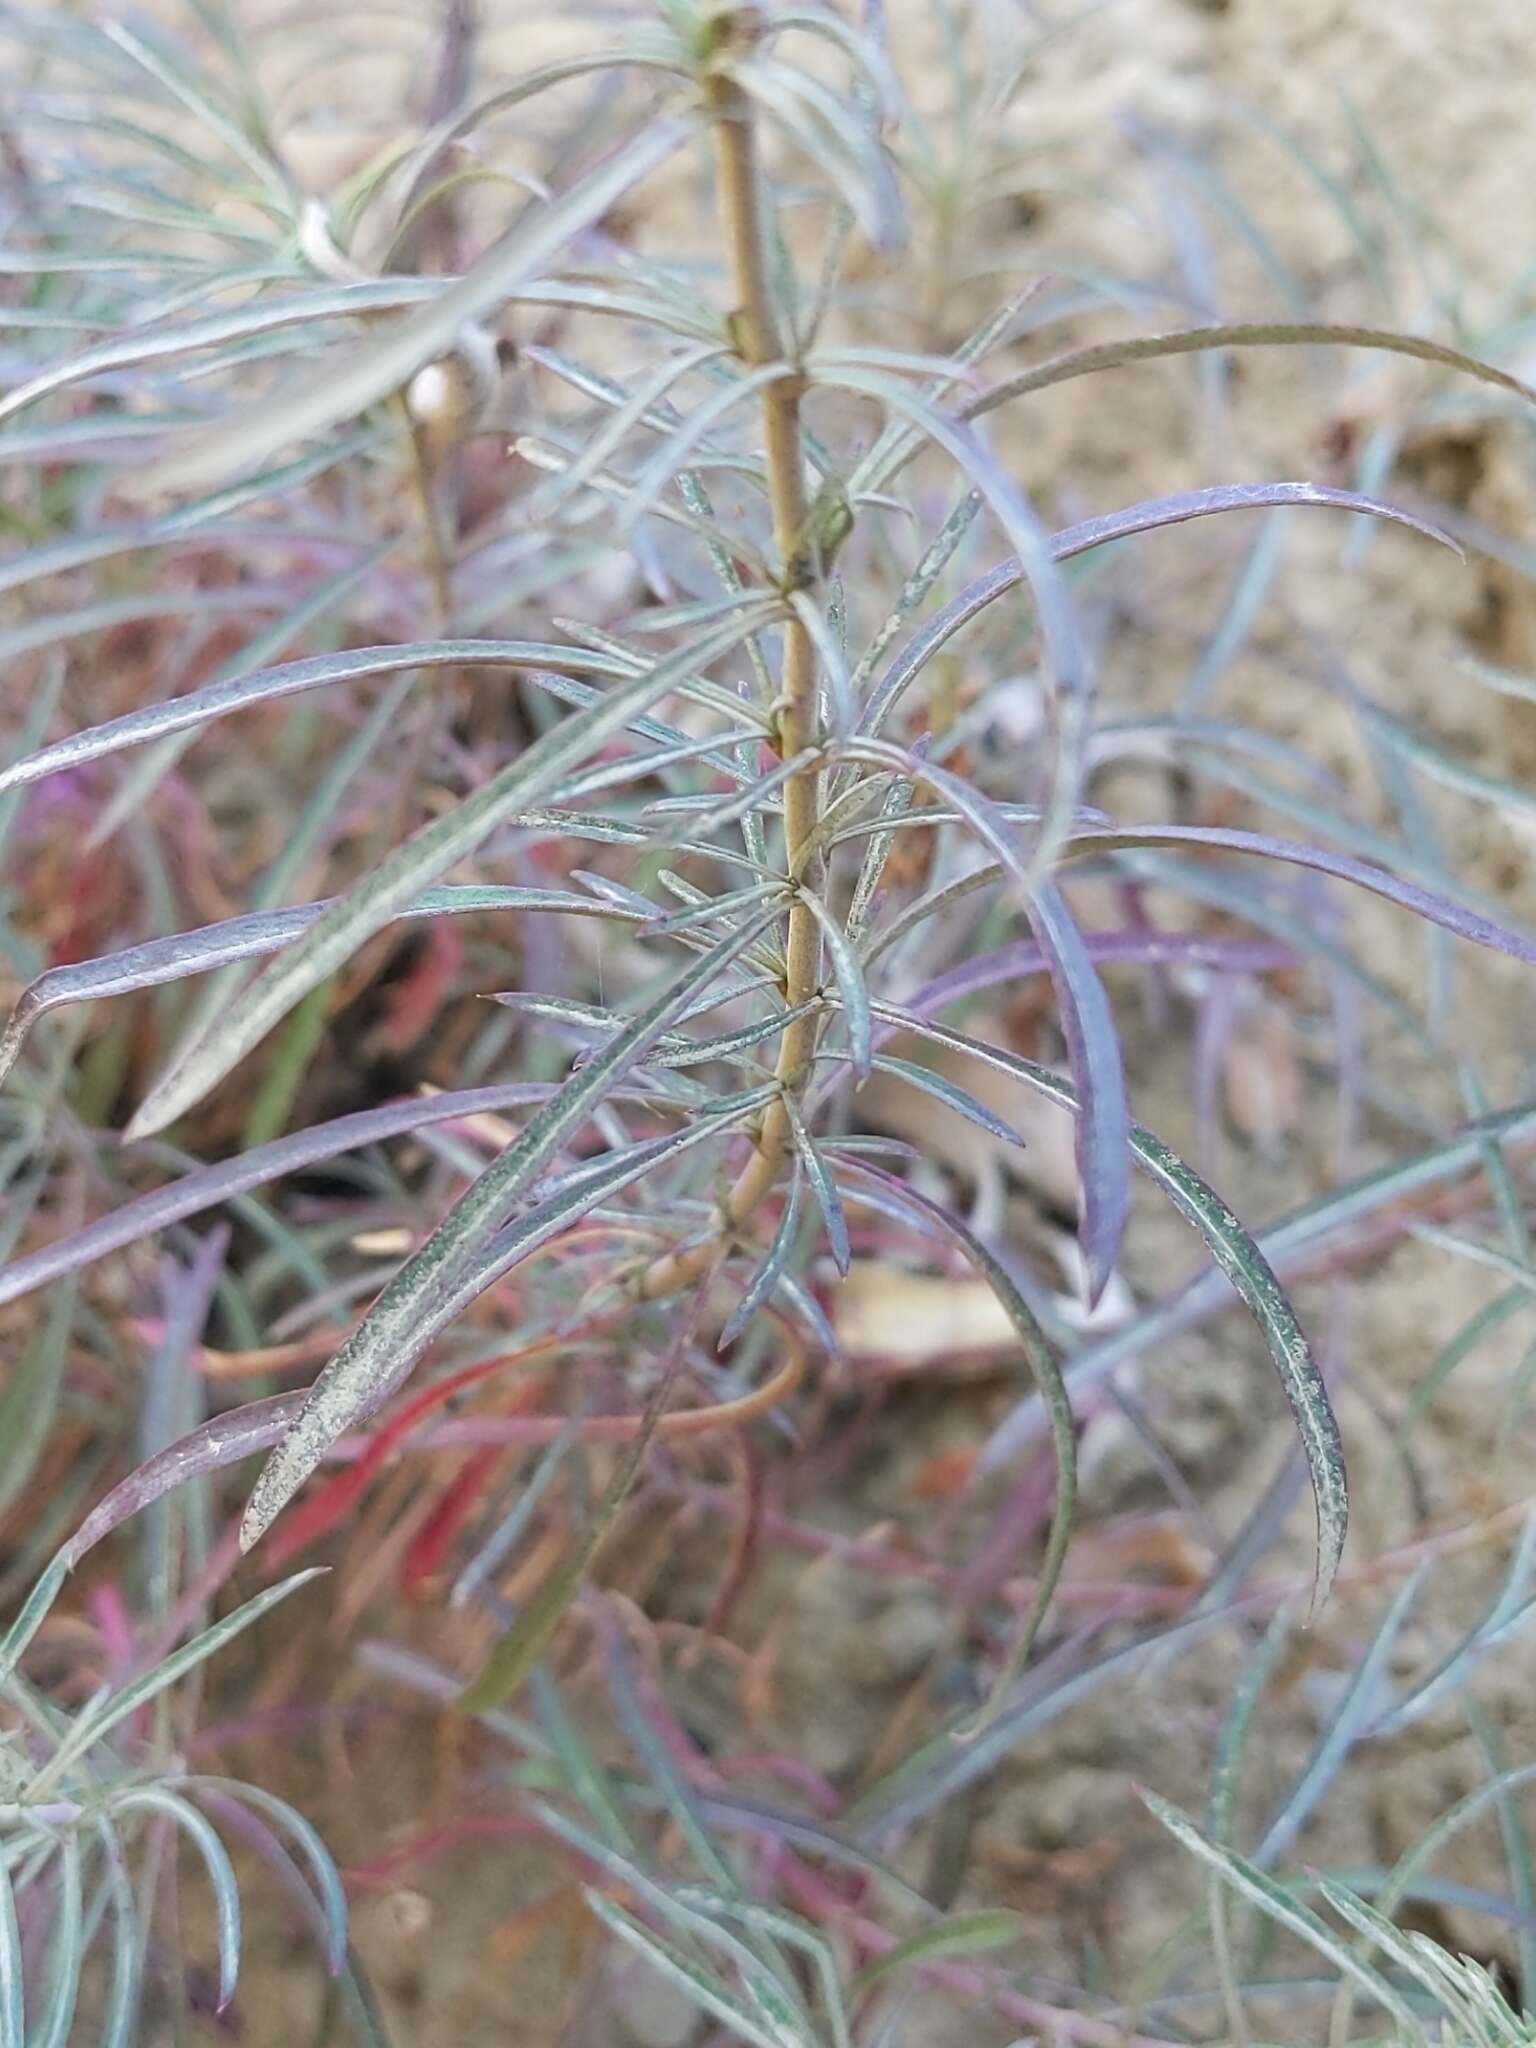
x,y
1047,1377
1110,355
263,686
223,1440
391,1328
375,901
207,1186
130,350
345,385
1093,1053
221,1872
260,932
1240,1259
1146,517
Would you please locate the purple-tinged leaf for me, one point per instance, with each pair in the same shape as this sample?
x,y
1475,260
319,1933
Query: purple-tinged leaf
x,y
1109,355
1093,1045
251,937
207,1186
223,1440
1088,534
289,678
1242,1261
1425,903
1093,1054
1106,949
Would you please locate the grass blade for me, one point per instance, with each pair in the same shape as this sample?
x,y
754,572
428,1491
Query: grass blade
x,y
958,1934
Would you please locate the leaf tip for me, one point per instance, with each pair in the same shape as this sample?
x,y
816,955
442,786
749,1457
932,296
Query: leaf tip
x,y
262,1510
145,1121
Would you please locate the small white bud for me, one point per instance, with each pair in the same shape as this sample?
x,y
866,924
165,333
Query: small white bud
x,y
447,398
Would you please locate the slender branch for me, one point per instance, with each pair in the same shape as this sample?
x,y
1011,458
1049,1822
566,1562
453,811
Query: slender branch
x,y
754,328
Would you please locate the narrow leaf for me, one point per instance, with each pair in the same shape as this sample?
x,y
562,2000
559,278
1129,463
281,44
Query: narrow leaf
x,y
346,384
1071,541
378,898
1345,1725
822,1186
264,686
221,1873
67,1960
1241,1261
30,1400
766,1278
1279,1905
1048,1380
345,1388
959,1934
13,2027
1109,355
850,984
251,937
207,1186
131,350
1093,1053
99,1719
223,1440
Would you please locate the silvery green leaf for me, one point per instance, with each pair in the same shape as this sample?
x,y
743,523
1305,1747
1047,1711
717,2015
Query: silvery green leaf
x,y
849,975
823,1186
107,1712
221,1872
66,1956
411,867
1240,1260
347,383
1281,1906
372,1353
